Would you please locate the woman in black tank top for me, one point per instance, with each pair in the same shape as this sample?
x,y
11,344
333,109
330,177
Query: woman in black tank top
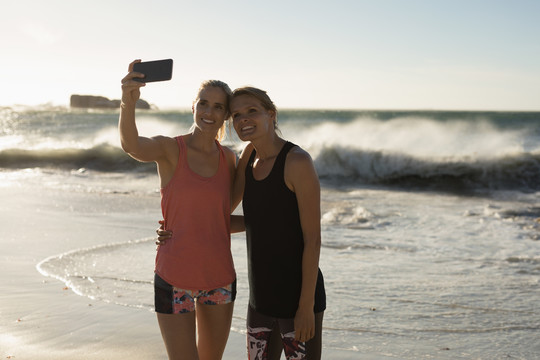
x,y
280,190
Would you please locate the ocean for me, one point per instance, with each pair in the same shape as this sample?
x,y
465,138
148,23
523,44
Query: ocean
x,y
430,220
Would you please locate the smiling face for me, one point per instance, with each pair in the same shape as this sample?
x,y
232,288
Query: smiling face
x,y
250,118
210,109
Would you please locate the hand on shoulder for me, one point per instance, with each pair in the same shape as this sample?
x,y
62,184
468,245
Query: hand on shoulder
x,y
244,156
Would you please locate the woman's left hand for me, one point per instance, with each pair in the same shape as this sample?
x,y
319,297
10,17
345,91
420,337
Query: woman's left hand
x,y
304,324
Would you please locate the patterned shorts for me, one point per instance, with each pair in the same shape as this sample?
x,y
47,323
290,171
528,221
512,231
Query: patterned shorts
x,y
172,300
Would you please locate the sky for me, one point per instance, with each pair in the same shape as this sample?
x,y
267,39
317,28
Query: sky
x,y
340,54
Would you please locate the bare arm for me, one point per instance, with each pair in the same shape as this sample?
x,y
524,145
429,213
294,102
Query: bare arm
x,y
237,224
239,179
301,177
140,148
237,221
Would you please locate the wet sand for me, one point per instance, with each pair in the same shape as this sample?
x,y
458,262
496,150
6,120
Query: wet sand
x,y
40,318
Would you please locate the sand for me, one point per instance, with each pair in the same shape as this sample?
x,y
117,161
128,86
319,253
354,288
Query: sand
x,y
42,319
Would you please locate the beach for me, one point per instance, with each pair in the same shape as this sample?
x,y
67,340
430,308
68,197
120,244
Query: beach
x,y
430,234
40,317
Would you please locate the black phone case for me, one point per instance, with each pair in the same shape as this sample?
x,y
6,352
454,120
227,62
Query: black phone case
x,y
159,70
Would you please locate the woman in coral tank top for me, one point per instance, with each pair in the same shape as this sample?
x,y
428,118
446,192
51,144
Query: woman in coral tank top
x,y
195,280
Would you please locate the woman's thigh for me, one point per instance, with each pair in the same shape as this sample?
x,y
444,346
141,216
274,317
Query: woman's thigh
x,y
178,332
213,327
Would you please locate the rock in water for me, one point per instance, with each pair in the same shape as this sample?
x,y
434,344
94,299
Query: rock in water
x,y
101,102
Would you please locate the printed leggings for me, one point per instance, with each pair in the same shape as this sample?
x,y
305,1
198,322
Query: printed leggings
x,y
267,337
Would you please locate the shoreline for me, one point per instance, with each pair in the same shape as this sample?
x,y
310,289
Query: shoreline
x,y
40,317
43,319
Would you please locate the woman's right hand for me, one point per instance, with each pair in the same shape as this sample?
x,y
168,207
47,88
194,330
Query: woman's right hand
x,y
131,88
163,235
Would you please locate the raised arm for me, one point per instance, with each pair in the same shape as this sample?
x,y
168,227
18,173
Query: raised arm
x,y
139,147
301,177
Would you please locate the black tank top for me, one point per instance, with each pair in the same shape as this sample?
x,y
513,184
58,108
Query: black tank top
x,y
275,243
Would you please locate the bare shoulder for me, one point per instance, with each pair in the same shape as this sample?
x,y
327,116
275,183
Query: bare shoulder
x,y
228,152
299,156
165,141
229,155
299,169
247,150
299,163
246,153
169,148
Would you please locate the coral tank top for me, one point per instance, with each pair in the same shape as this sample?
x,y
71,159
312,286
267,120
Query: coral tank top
x,y
197,209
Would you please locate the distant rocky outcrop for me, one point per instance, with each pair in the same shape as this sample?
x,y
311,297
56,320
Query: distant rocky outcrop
x,y
101,102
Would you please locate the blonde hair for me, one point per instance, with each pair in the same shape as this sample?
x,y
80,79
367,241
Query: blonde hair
x,y
261,96
228,93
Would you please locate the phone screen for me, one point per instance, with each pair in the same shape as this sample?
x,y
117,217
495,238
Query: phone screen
x,y
158,70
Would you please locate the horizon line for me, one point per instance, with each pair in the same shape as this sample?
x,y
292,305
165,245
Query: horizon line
x,y
52,104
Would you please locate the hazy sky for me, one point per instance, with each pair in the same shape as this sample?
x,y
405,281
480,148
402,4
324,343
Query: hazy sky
x,y
355,54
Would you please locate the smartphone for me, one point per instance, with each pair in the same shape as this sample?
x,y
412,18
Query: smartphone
x,y
158,70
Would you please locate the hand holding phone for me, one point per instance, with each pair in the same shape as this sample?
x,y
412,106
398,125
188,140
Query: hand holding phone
x,y
158,70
